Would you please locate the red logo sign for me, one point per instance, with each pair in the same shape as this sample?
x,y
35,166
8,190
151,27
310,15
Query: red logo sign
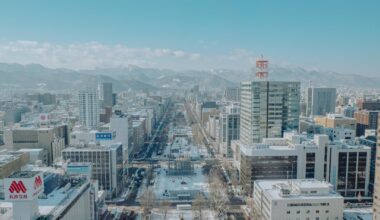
x,y
17,187
37,182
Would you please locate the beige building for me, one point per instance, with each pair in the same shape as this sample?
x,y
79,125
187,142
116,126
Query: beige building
x,y
52,139
11,162
336,121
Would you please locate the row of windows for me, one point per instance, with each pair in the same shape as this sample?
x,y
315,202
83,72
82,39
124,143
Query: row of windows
x,y
309,204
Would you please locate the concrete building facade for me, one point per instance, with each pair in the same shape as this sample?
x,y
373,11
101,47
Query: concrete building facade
x,y
268,108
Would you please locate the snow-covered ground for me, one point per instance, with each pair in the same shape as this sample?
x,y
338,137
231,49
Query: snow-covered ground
x,y
164,184
176,214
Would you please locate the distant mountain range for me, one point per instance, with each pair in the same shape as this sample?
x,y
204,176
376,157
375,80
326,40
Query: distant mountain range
x,y
137,78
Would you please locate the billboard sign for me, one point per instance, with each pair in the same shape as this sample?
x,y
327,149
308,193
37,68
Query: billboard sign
x,y
103,136
23,188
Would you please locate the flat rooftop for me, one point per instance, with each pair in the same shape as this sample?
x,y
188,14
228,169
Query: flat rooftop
x,y
6,158
365,213
298,189
55,202
24,174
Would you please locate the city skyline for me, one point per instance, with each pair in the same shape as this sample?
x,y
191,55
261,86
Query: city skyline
x,y
323,36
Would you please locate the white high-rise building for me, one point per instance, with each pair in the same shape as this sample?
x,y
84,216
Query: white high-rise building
x,y
296,199
119,124
229,128
268,108
89,108
320,101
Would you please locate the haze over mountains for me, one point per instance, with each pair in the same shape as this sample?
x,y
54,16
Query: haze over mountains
x,y
136,78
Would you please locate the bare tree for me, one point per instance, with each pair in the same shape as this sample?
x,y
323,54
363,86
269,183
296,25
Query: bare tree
x,y
218,194
165,205
198,205
149,175
147,199
253,213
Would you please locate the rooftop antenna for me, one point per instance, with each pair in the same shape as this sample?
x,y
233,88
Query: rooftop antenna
x,y
262,68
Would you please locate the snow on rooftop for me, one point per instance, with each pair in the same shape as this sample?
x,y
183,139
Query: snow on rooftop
x,y
298,189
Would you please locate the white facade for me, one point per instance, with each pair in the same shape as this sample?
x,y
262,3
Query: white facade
x,y
229,128
340,133
89,112
296,200
86,137
268,108
119,124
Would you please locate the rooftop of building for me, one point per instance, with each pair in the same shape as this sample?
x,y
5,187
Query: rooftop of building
x,y
297,189
59,192
23,174
288,144
31,150
336,117
6,158
365,213
349,144
92,147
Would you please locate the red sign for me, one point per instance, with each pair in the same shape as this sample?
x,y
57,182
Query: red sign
x,y
17,187
37,182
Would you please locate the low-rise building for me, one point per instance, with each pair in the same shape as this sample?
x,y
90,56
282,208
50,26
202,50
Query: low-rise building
x,y
280,158
336,121
47,196
296,199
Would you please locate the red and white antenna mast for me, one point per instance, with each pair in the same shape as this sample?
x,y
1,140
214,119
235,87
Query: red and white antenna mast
x,y
262,68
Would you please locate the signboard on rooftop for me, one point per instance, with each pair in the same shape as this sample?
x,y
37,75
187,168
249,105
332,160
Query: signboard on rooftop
x,y
102,136
23,188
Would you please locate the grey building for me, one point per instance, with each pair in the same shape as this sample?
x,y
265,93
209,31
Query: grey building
x,y
107,94
107,163
320,101
232,94
268,108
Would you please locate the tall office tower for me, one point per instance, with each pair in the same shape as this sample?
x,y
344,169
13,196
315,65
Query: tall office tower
x,y
267,109
229,128
320,101
107,94
376,193
89,108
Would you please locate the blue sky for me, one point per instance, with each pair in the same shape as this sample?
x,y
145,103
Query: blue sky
x,y
333,35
